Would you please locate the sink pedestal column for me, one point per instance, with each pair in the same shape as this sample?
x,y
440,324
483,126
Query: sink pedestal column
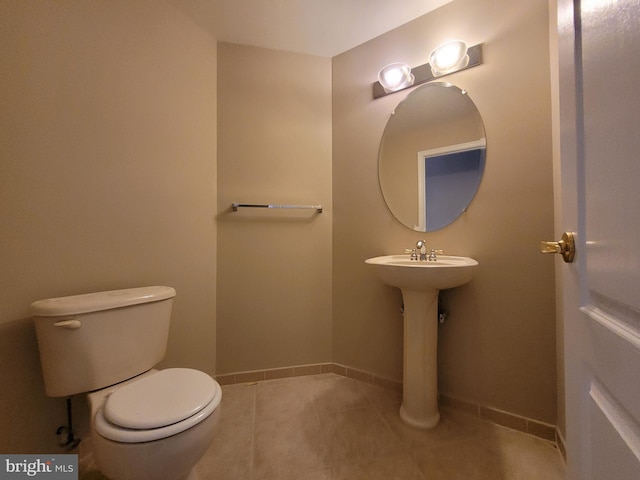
x,y
420,373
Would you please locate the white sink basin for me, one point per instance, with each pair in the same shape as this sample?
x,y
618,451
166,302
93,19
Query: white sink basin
x,y
420,282
402,272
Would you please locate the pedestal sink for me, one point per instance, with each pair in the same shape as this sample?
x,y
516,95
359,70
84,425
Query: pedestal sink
x,y
420,282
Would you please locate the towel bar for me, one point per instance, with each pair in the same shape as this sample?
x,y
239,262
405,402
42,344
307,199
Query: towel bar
x,y
235,206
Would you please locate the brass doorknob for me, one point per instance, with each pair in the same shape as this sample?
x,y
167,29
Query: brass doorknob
x,y
565,247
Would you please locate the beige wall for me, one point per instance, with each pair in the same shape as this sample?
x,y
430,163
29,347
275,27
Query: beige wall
x,y
107,179
498,346
274,266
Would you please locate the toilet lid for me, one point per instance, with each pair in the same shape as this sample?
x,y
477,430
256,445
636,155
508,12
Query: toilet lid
x,y
164,398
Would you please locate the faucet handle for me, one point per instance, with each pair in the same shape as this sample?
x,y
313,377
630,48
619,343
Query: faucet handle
x,y
432,254
412,251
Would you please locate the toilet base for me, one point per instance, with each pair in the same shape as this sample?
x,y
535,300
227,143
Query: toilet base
x,y
171,458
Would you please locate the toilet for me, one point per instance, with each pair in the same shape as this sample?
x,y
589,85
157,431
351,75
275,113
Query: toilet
x,y
146,424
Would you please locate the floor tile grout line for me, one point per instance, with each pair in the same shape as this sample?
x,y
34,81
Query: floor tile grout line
x,y
333,463
406,447
325,434
307,398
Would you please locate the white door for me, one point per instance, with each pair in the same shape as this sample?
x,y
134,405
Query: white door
x,y
599,65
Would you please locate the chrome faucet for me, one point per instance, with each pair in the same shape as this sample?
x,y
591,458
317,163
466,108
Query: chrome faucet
x,y
421,246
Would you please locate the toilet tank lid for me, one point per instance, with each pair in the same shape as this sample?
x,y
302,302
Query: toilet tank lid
x,y
95,302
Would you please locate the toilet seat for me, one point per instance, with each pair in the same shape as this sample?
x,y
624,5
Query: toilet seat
x,y
163,398
158,405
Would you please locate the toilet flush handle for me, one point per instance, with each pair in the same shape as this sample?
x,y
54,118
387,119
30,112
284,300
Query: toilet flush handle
x,y
68,324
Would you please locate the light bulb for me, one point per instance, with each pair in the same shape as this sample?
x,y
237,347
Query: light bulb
x,y
396,76
448,57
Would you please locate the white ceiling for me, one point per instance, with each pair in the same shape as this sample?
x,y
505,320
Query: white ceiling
x,y
316,27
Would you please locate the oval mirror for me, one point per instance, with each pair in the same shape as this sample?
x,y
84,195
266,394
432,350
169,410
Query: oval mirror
x,y
432,156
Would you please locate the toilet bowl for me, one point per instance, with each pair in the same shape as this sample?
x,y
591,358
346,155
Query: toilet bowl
x,y
154,426
146,424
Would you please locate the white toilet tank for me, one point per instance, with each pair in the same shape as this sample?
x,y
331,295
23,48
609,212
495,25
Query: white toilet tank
x,y
91,341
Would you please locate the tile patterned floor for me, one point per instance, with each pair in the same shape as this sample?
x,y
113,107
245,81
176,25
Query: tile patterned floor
x,y
329,427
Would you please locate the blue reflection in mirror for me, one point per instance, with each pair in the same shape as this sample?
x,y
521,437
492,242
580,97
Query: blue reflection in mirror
x,y
451,180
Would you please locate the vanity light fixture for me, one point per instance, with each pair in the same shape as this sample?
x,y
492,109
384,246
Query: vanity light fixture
x,y
445,59
395,76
